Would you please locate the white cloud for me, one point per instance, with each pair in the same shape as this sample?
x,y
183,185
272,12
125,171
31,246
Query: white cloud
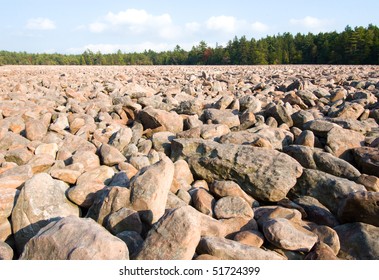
x,y
97,27
222,23
259,27
193,26
312,23
40,24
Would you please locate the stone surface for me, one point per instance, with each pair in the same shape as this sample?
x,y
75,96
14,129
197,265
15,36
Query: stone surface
x,y
226,249
359,241
328,189
288,235
74,238
149,189
124,219
174,237
230,188
8,198
250,237
203,201
256,170
232,206
367,159
41,201
110,155
360,206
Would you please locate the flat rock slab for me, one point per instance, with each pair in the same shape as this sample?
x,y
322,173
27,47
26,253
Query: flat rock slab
x,y
267,175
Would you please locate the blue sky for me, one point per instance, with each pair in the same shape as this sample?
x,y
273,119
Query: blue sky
x,y
68,26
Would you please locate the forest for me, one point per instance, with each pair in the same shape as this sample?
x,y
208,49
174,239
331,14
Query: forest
x,y
359,45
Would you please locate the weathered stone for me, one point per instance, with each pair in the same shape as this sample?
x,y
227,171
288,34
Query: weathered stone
x,y
8,199
108,201
149,189
154,118
89,160
277,137
367,159
174,237
281,114
250,237
203,201
303,155
232,206
328,236
371,183
83,193
35,130
316,212
121,139
74,238
66,175
230,188
225,249
110,155
306,138
213,131
359,241
341,141
41,163
124,219
162,141
5,229
50,149
288,235
41,200
256,170
360,206
226,117
182,171
328,189
19,156
15,177
321,251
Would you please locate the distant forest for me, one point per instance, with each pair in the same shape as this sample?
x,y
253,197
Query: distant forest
x,y
351,46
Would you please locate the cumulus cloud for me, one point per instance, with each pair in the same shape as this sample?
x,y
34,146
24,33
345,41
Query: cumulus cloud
x,y
97,27
40,24
311,23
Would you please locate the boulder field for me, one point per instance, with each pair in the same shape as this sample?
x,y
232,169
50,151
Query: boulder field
x,y
189,162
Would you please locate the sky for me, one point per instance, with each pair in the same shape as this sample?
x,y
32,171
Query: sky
x,y
71,27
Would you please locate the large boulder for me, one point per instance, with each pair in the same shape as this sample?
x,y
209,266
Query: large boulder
x,y
154,118
74,238
327,189
265,174
226,249
149,189
41,200
367,159
174,237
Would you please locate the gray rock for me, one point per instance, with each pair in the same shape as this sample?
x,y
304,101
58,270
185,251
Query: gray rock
x,y
232,206
221,117
367,159
256,170
359,241
226,249
74,238
328,189
41,200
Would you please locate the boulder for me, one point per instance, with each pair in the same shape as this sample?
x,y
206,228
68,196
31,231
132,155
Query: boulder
x,y
360,206
359,241
73,238
41,200
203,201
342,141
289,235
232,206
154,118
230,188
35,130
174,237
328,189
226,249
110,156
367,158
149,189
258,171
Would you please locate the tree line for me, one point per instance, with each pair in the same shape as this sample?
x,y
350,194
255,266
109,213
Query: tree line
x,y
351,46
